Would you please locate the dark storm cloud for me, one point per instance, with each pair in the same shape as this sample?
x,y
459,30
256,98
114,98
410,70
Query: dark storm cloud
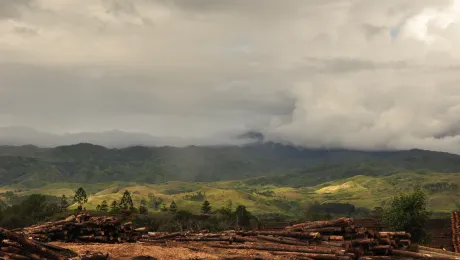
x,y
13,8
336,73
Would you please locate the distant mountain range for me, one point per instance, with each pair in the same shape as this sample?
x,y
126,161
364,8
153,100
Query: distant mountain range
x,y
279,164
17,136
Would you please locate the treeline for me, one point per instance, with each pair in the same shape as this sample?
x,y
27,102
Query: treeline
x,y
36,208
406,212
324,211
29,210
172,219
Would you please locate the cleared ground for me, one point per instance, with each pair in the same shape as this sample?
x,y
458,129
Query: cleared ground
x,y
168,251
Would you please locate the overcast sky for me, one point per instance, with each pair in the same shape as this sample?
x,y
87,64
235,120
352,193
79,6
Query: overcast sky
x,y
358,74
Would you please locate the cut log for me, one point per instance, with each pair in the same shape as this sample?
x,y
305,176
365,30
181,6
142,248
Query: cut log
x,y
430,249
415,255
281,240
14,256
314,250
326,230
332,238
306,235
30,245
438,254
401,234
166,236
342,222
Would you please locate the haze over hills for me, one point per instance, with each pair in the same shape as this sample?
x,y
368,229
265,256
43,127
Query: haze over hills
x,y
268,178
280,164
17,135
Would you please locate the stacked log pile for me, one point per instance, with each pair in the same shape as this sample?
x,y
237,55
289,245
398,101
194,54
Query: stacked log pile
x,y
337,239
16,246
84,228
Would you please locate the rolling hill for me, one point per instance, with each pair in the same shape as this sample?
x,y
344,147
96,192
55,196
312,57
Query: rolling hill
x,y
266,177
31,166
361,191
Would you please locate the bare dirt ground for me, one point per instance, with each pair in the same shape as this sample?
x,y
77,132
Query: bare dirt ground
x,y
171,250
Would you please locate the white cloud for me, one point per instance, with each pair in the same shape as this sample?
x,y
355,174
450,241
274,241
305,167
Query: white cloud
x,y
337,73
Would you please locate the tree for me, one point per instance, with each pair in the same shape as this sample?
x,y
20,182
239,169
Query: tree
x,y
313,211
229,205
80,197
98,208
164,208
377,213
143,207
151,200
10,196
407,212
126,201
206,207
64,203
173,207
31,210
243,217
154,202
114,206
104,206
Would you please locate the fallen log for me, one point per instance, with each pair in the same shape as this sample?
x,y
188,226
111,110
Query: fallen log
x,y
341,222
306,235
332,238
14,256
401,234
327,230
198,238
166,236
282,240
49,224
376,257
438,254
142,229
266,247
60,250
30,245
415,255
240,239
437,250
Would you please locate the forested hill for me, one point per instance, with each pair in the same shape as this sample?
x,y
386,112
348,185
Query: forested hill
x,y
33,166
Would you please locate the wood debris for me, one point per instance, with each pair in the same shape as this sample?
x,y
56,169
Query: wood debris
x,y
17,246
84,228
333,239
336,239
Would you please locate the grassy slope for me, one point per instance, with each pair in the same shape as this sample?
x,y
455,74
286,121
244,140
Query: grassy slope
x,y
364,191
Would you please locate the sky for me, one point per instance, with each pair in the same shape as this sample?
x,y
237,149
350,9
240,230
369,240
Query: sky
x,y
354,74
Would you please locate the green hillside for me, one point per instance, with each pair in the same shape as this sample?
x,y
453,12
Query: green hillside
x,y
361,191
85,163
265,177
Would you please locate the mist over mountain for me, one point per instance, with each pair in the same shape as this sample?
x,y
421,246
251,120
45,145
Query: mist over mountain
x,y
16,136
89,163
